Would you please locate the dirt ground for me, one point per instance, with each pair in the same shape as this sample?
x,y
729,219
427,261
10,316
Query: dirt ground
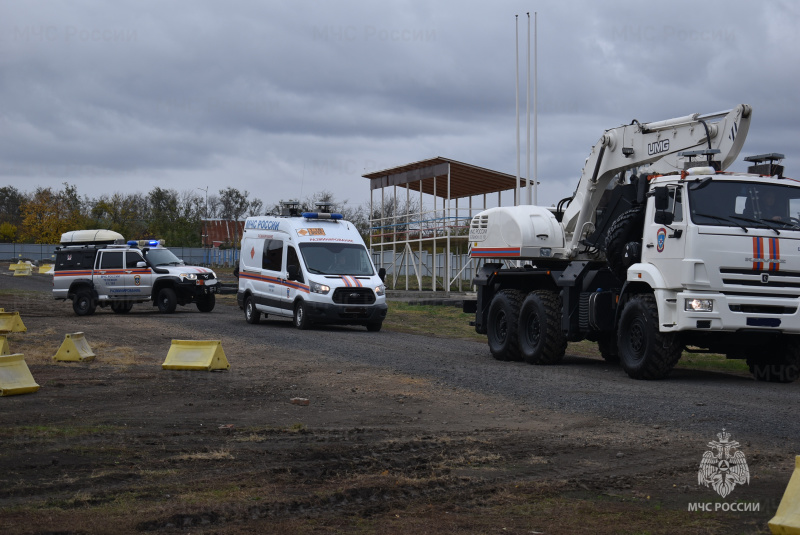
x,y
118,445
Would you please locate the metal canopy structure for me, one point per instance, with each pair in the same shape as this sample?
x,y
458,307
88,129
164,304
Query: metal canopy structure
x,y
417,225
465,180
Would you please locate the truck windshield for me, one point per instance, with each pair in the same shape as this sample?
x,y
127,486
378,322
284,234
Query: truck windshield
x,y
336,259
163,257
745,204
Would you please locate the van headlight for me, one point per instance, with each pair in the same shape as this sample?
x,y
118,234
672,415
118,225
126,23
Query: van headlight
x,y
699,305
380,290
189,276
318,288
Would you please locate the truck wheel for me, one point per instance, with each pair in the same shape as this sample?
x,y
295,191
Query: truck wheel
x,y
121,307
503,325
167,300
644,352
607,344
782,367
83,303
541,340
301,320
206,303
628,227
251,313
374,327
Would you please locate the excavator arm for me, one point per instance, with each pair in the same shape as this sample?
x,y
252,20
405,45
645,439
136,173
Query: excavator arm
x,y
654,148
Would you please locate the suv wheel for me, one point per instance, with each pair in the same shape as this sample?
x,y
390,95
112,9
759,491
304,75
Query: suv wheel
x,y
206,303
83,303
167,300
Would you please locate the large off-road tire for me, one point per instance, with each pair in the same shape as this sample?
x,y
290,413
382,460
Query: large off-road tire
x,y
607,344
644,352
628,227
121,307
206,303
166,300
251,313
502,327
83,303
300,319
782,365
541,340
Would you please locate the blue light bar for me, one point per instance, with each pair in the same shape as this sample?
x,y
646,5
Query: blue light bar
x,y
317,215
133,243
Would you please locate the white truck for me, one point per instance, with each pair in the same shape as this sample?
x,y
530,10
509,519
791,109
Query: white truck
x,y
312,267
651,262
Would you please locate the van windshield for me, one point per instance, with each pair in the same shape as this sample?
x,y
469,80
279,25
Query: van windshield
x,y
336,259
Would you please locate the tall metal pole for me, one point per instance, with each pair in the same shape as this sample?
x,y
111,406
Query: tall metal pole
x,y
516,86
535,111
528,120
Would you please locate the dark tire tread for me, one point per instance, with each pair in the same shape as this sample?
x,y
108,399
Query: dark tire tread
x,y
664,348
555,343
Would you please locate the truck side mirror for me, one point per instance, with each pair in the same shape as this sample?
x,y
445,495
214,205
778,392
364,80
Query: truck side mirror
x,y
382,274
662,198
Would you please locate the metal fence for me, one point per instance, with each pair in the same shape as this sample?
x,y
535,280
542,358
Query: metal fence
x,y
195,256
461,266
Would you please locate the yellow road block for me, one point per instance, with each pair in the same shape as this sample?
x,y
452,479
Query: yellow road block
x,y
74,348
787,517
15,377
24,271
10,322
196,355
4,347
46,268
17,265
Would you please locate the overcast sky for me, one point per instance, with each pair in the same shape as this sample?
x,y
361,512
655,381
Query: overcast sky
x,y
287,98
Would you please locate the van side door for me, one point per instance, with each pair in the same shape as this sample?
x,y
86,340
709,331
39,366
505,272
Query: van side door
x,y
272,273
294,282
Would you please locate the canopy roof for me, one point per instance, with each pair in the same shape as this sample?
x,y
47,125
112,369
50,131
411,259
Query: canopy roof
x,y
465,180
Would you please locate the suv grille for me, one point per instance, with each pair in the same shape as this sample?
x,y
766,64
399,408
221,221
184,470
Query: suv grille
x,y
354,296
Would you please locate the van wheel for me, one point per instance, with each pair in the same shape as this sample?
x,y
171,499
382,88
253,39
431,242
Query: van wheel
x,y
374,327
206,303
503,324
251,313
83,303
167,300
301,320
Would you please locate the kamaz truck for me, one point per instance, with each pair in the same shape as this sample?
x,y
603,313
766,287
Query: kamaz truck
x,y
658,250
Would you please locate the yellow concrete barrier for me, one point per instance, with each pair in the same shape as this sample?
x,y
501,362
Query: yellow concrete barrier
x,y
196,355
10,322
17,265
46,268
74,348
24,271
787,518
15,377
5,349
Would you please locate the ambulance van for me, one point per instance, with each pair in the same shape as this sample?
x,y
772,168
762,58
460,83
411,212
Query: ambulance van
x,y
312,267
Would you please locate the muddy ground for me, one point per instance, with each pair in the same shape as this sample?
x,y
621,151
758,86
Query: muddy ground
x,y
402,433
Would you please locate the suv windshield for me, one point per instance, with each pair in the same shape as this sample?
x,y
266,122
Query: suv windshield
x,y
163,257
745,204
336,259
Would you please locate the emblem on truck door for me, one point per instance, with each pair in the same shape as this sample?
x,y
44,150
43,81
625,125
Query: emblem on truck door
x,y
765,278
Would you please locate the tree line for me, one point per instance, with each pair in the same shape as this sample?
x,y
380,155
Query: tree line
x,y
41,216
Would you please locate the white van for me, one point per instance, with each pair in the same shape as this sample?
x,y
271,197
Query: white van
x,y
312,267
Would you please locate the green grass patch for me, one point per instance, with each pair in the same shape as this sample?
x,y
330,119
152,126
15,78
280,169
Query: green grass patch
x,y
442,321
711,361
